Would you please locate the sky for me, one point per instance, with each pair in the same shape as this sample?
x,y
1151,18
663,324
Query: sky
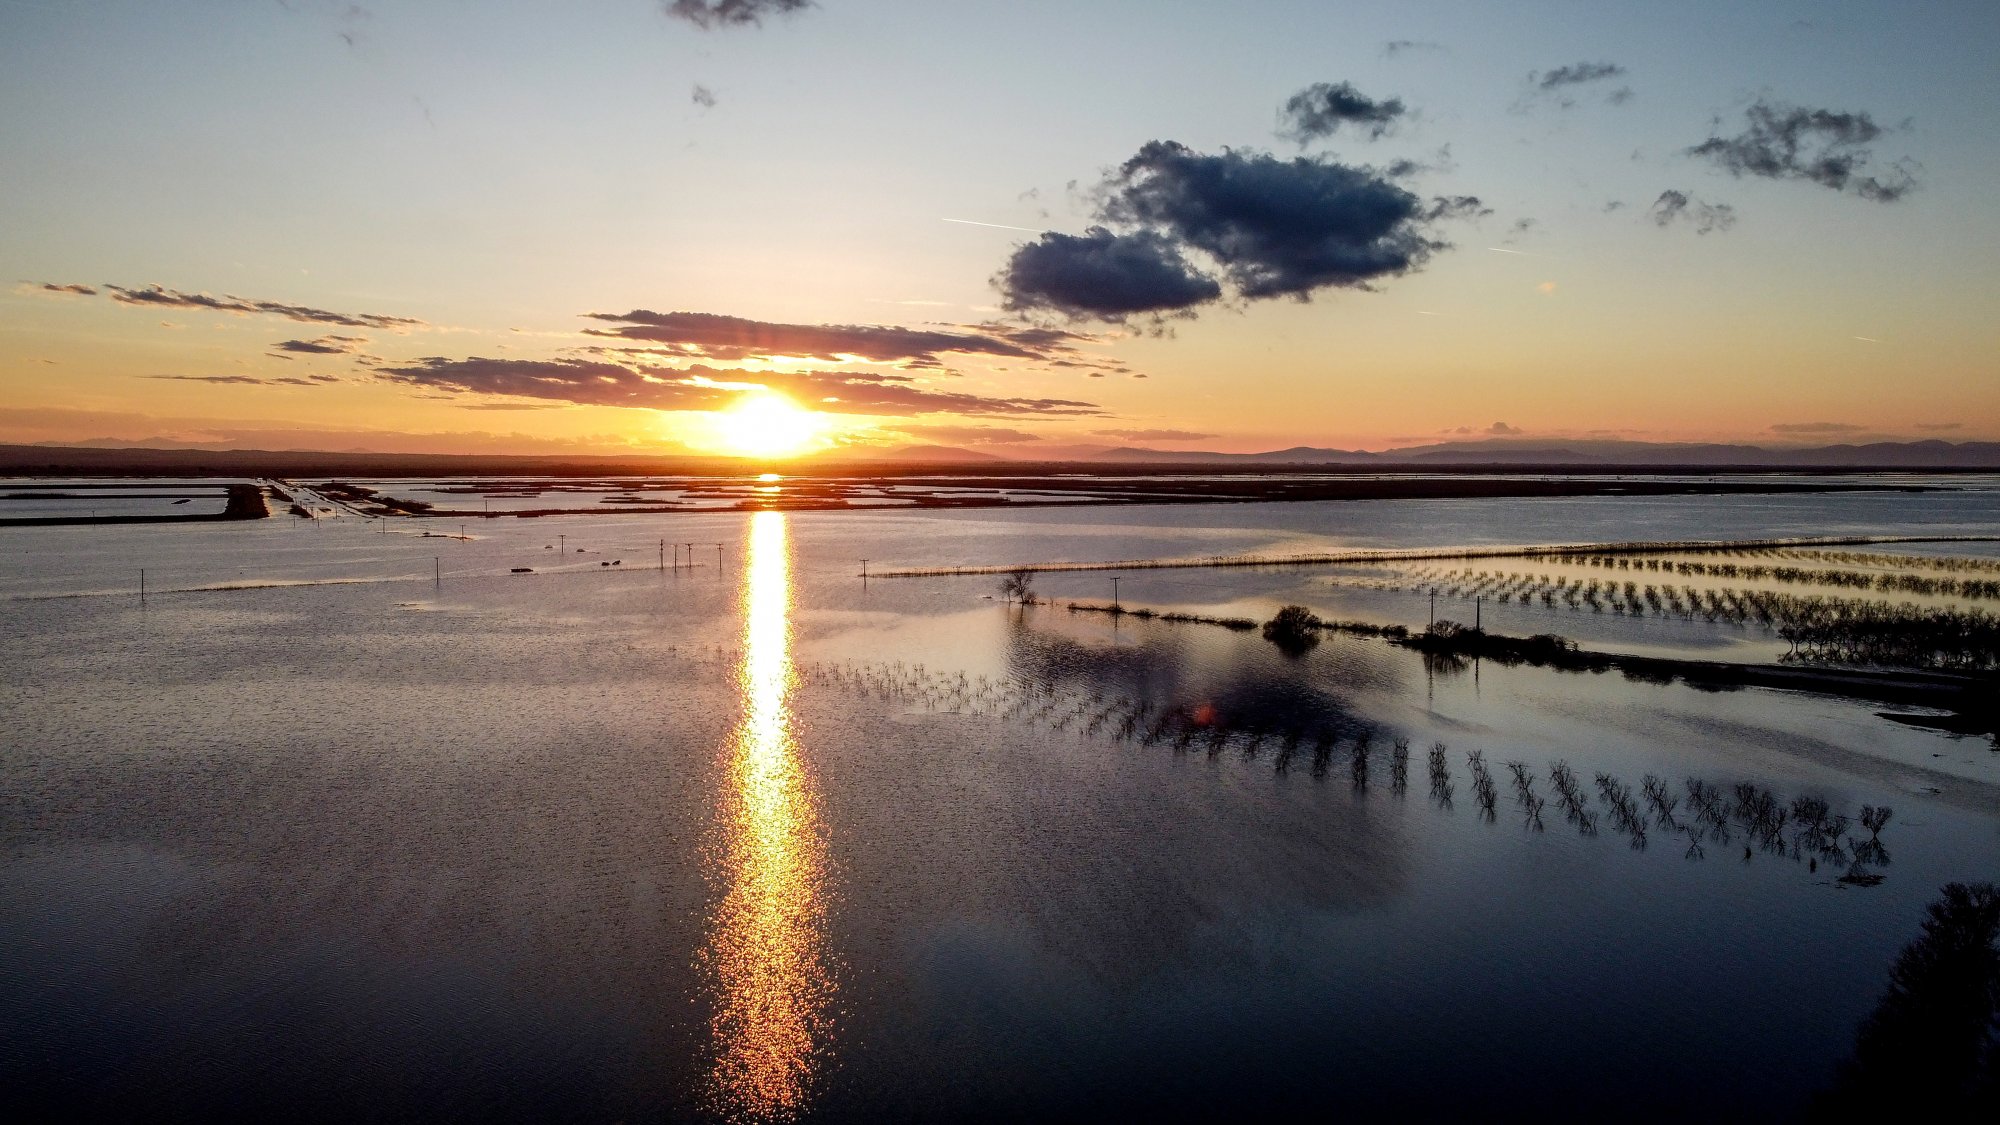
x,y
758,226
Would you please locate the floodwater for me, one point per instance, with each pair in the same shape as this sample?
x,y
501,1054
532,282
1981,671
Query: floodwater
x,y
340,824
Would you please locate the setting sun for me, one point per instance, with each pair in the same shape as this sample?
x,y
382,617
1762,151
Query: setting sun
x,y
767,424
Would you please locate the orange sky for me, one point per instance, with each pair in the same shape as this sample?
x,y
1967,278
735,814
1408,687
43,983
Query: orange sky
x,y
392,237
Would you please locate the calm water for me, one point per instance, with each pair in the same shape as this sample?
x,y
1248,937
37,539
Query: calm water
x,y
315,834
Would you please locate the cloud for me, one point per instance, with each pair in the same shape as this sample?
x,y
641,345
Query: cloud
x,y
969,435
1315,112
1154,435
1821,146
1575,74
703,96
324,345
1559,86
1939,427
1502,429
707,14
1103,275
734,339
1680,207
75,290
155,295
1816,428
599,383
1396,47
252,380
1268,227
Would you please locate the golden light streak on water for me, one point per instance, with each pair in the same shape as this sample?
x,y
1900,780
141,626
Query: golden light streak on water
x,y
766,951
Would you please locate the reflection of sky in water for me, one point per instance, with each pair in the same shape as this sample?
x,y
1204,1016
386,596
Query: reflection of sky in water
x,y
767,953
481,857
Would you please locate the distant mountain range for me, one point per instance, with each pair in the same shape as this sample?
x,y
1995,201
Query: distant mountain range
x,y
1883,454
1500,454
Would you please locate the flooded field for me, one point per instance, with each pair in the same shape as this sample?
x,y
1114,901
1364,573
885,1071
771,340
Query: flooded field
x,y
621,816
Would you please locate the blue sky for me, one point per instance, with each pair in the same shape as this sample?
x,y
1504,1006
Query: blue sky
x,y
496,170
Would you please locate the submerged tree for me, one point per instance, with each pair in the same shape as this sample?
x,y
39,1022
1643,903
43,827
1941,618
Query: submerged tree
x,y
1294,629
1931,1047
1019,586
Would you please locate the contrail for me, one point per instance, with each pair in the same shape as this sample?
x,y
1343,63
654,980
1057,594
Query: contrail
x,y
1870,339
998,226
1503,250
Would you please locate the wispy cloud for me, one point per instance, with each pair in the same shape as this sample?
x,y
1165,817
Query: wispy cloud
x,y
1154,435
1821,146
735,339
1560,86
252,380
158,296
709,14
1817,428
1396,48
1322,108
602,383
1678,207
324,345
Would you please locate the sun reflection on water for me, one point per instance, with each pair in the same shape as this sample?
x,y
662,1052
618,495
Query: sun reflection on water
x,y
766,950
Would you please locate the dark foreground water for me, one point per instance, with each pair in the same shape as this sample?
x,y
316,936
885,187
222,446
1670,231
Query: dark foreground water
x,y
313,834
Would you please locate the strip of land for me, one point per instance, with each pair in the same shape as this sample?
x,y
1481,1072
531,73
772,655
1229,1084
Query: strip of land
x,y
1408,554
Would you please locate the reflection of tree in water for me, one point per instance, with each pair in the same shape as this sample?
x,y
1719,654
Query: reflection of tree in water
x,y
1932,1044
1234,696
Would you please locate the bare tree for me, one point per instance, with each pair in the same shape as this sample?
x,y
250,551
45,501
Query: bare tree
x,y
1019,586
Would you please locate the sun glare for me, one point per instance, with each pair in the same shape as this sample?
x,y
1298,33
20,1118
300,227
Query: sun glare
x,y
767,424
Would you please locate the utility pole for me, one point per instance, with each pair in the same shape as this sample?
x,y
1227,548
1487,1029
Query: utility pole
x,y
562,546
663,554
1114,591
718,558
864,570
142,585
437,571
1434,607
1477,620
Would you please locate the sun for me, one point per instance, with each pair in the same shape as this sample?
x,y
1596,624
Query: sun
x,y
767,424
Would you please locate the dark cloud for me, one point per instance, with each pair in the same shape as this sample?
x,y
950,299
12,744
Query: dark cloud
x,y
1279,227
734,339
1679,207
1103,275
324,345
598,383
1395,47
1269,227
1817,428
969,435
703,96
79,290
707,14
1822,146
1502,429
1154,435
173,298
1575,74
1939,427
1315,112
